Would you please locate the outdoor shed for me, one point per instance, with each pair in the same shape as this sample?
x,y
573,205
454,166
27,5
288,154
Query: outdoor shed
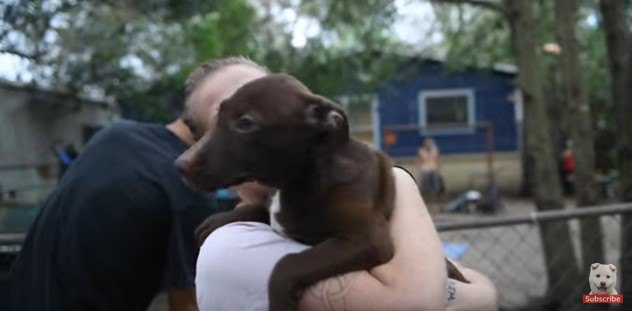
x,y
34,123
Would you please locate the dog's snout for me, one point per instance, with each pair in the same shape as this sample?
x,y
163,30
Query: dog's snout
x,y
603,283
184,165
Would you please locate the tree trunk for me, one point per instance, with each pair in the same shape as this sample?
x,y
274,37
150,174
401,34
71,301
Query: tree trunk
x,y
580,129
619,43
561,266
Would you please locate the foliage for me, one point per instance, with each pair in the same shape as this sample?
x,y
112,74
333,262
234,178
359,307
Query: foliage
x,y
141,51
473,37
480,37
354,48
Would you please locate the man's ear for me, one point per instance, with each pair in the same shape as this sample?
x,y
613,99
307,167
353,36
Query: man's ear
x,y
325,115
594,266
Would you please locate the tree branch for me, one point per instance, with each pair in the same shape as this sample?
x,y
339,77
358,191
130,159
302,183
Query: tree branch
x,y
18,53
488,5
3,34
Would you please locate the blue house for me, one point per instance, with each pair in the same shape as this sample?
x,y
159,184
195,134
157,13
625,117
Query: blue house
x,y
458,109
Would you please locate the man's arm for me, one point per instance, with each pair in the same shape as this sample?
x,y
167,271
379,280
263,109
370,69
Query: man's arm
x,y
480,294
414,279
182,300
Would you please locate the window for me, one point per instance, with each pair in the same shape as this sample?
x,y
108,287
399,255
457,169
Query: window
x,y
359,110
447,111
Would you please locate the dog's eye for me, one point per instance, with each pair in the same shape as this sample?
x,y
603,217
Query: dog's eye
x,y
598,275
607,276
245,124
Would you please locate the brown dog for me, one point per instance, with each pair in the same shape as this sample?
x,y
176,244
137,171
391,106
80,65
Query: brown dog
x,y
336,193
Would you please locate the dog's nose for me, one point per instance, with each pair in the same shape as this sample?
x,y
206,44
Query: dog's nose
x,y
184,165
603,283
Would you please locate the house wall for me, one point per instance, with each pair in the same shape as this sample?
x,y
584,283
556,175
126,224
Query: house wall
x,y
399,105
29,126
469,172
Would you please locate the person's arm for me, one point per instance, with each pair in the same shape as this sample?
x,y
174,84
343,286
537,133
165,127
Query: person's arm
x,y
480,294
182,300
187,211
414,279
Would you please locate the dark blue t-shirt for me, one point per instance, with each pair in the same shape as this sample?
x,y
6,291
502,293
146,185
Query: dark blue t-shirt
x,y
118,226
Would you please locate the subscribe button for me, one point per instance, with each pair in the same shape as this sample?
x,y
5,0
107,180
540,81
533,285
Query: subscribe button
x,y
615,299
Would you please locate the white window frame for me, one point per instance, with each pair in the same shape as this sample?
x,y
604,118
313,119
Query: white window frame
x,y
375,125
471,111
344,102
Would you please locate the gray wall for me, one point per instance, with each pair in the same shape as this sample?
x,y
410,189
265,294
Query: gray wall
x,y
30,123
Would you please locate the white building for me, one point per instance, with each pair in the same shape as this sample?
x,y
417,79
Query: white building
x,y
32,122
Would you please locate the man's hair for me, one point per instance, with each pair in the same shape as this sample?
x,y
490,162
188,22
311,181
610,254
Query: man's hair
x,y
203,71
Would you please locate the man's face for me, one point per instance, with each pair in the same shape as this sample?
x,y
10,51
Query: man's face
x,y
214,89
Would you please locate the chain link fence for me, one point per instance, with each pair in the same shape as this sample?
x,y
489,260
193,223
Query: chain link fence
x,y
510,251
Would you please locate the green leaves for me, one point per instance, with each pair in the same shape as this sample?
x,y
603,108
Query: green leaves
x,y
140,52
473,37
221,33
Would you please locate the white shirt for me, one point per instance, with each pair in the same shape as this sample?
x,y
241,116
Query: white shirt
x,y
235,263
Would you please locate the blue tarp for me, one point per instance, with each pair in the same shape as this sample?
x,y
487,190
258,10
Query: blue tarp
x,y
454,251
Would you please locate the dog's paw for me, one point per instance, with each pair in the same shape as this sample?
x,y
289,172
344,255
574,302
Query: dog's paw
x,y
283,294
211,224
283,301
282,304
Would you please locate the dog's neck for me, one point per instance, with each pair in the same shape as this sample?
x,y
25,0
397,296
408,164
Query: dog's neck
x,y
324,160
312,164
331,143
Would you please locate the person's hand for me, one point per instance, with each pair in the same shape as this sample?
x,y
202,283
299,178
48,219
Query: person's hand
x,y
479,294
255,201
254,194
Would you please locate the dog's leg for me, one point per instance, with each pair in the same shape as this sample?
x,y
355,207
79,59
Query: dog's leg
x,y
256,213
370,246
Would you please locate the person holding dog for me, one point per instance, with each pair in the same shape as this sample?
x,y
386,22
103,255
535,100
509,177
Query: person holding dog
x,y
120,224
236,260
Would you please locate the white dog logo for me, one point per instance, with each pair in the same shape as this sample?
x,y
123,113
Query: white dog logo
x,y
602,279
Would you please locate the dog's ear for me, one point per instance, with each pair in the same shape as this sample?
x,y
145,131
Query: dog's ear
x,y
325,115
594,266
613,268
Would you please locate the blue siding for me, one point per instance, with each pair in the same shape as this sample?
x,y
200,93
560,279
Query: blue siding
x,y
399,100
